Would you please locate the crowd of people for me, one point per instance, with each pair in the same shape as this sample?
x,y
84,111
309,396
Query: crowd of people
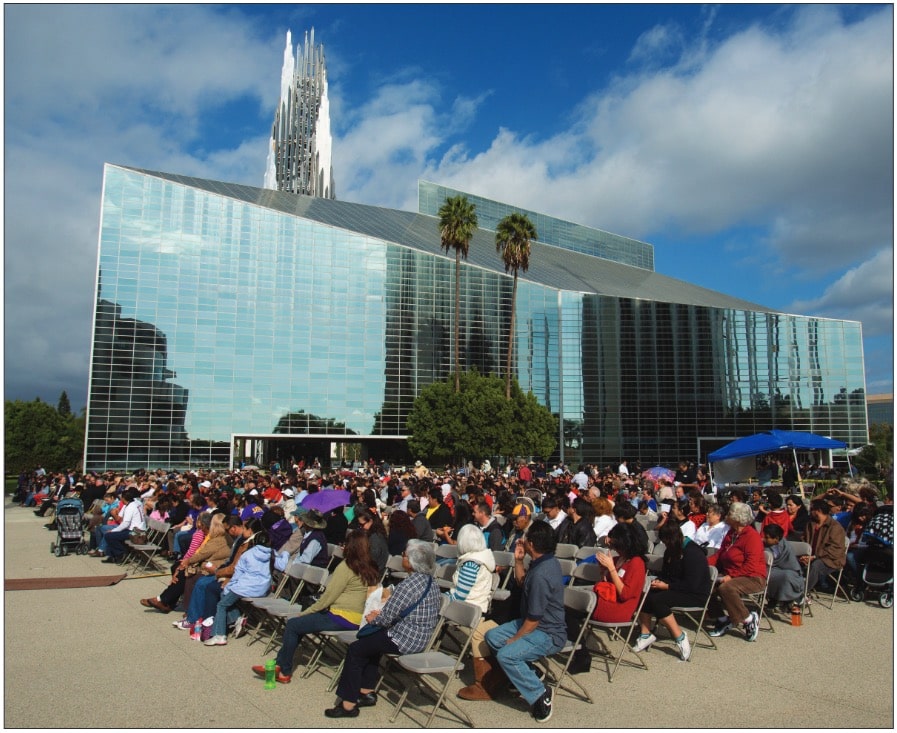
x,y
233,532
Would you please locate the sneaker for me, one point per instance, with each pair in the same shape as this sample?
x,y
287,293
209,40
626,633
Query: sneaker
x,y
239,627
752,626
216,641
184,625
684,647
721,628
541,709
643,642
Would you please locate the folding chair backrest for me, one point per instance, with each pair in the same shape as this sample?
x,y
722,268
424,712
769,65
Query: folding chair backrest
x,y
580,600
313,575
503,558
394,564
564,551
800,548
445,572
654,563
714,574
567,566
587,572
462,613
447,551
583,552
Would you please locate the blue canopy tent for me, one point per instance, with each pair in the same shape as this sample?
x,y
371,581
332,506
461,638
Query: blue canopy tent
x,y
773,441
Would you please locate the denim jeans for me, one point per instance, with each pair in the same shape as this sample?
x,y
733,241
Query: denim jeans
x,y
115,542
225,612
206,594
100,535
298,627
513,657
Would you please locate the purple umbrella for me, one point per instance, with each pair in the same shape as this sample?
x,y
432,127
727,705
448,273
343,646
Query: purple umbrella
x,y
326,500
659,472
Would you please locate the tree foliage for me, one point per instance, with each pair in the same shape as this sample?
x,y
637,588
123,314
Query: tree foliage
x,y
37,434
479,421
457,224
877,458
513,240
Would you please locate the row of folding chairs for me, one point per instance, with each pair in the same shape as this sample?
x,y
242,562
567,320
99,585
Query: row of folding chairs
x,y
144,557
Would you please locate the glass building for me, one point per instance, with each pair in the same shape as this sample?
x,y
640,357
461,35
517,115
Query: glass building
x,y
235,323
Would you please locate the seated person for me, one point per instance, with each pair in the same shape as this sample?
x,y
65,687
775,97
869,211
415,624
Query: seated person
x,y
582,515
742,569
799,516
251,579
522,519
403,626
828,541
714,529
339,607
684,580
775,513
786,580
211,547
541,630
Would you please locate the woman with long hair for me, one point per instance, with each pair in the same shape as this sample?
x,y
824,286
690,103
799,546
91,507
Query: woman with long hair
x,y
339,607
376,532
604,516
684,580
401,530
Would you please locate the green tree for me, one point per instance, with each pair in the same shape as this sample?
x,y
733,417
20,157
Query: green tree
x,y
37,434
513,240
457,224
63,407
479,421
877,458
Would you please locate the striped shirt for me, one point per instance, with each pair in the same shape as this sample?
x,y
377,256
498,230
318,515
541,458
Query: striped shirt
x,y
467,576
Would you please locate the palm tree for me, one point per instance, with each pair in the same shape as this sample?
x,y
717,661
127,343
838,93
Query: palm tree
x,y
457,223
513,237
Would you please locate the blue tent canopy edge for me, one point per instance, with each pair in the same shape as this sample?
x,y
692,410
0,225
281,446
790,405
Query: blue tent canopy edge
x,y
772,441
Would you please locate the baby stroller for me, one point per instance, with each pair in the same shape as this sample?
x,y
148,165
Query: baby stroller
x,y
877,572
69,526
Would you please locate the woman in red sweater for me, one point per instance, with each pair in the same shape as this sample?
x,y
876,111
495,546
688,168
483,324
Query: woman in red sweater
x,y
742,569
624,575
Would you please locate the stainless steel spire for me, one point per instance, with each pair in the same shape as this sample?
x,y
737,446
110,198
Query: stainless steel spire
x,y
299,157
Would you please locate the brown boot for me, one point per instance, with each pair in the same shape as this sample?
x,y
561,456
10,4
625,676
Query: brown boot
x,y
482,687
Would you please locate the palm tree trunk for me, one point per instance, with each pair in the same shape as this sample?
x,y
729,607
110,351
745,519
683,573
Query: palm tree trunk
x,y
457,318
511,339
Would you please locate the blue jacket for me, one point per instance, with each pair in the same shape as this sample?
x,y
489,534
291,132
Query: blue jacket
x,y
252,576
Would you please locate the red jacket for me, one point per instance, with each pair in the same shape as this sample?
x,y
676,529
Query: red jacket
x,y
740,555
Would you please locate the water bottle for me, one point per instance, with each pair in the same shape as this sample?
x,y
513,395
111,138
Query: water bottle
x,y
796,615
270,666
196,634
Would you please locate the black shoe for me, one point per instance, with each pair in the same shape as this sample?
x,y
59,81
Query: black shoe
x,y
338,711
367,700
542,707
110,559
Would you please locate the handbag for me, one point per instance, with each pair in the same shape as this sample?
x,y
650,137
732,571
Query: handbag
x,y
138,537
371,628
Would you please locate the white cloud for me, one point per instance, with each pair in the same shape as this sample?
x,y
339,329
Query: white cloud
x,y
866,292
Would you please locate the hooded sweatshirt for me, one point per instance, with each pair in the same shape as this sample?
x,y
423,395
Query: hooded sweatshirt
x,y
472,581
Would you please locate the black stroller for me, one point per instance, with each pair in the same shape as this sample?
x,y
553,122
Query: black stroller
x,y
70,528
877,571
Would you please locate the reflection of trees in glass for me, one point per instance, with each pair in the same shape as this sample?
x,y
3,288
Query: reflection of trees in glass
x,y
136,415
305,423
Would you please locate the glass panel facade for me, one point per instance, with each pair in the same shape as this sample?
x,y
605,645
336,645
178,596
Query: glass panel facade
x,y
218,317
553,231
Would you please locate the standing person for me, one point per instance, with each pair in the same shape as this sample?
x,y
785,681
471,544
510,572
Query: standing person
x,y
404,626
541,630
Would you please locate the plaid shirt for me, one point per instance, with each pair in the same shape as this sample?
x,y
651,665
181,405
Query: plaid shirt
x,y
411,634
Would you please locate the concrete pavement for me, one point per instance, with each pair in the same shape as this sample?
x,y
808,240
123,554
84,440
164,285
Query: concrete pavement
x,y
95,658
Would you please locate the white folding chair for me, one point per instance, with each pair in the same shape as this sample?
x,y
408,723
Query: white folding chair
x,y
621,631
587,573
426,667
565,551
690,611
802,549
577,601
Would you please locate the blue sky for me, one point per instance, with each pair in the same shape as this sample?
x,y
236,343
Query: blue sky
x,y
752,145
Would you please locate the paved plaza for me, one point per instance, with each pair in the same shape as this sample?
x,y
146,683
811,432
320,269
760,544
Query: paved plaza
x,y
95,658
